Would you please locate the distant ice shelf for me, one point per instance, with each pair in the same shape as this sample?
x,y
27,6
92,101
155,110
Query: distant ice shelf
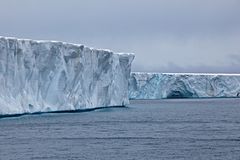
x,y
183,85
42,76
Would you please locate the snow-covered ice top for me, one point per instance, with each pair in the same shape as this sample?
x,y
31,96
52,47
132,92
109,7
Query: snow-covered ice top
x,y
183,85
40,76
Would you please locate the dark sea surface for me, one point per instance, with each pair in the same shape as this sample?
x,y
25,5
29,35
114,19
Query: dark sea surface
x,y
194,129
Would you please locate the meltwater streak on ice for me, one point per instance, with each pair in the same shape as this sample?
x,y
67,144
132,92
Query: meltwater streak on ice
x,y
42,76
183,85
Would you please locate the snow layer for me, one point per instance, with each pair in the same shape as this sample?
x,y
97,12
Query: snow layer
x,y
41,76
183,85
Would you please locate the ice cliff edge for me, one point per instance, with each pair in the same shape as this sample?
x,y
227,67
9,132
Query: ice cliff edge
x,y
183,85
41,76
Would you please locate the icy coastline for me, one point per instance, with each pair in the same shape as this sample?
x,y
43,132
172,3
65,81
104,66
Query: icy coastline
x,y
183,85
42,76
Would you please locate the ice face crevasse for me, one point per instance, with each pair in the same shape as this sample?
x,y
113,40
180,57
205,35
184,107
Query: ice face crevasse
x,y
183,85
40,76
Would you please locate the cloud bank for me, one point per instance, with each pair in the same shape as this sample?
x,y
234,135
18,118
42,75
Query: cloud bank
x,y
165,35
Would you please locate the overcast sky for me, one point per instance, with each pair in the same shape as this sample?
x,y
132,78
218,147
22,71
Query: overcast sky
x,y
165,35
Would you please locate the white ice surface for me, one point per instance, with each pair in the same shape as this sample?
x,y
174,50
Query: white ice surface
x,y
183,85
40,76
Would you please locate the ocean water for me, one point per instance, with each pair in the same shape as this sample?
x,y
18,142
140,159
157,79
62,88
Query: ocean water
x,y
194,129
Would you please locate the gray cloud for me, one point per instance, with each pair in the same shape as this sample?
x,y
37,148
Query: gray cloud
x,y
161,32
171,67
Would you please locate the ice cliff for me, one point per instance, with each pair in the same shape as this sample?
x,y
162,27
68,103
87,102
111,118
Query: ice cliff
x,y
41,76
181,85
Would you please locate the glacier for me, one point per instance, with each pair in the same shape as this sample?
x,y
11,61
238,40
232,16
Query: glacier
x,y
45,76
183,85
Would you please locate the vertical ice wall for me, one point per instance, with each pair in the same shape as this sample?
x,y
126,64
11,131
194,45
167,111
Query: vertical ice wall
x,y
183,85
38,76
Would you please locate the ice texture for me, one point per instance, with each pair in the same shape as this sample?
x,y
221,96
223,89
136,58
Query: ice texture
x,y
183,85
42,76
